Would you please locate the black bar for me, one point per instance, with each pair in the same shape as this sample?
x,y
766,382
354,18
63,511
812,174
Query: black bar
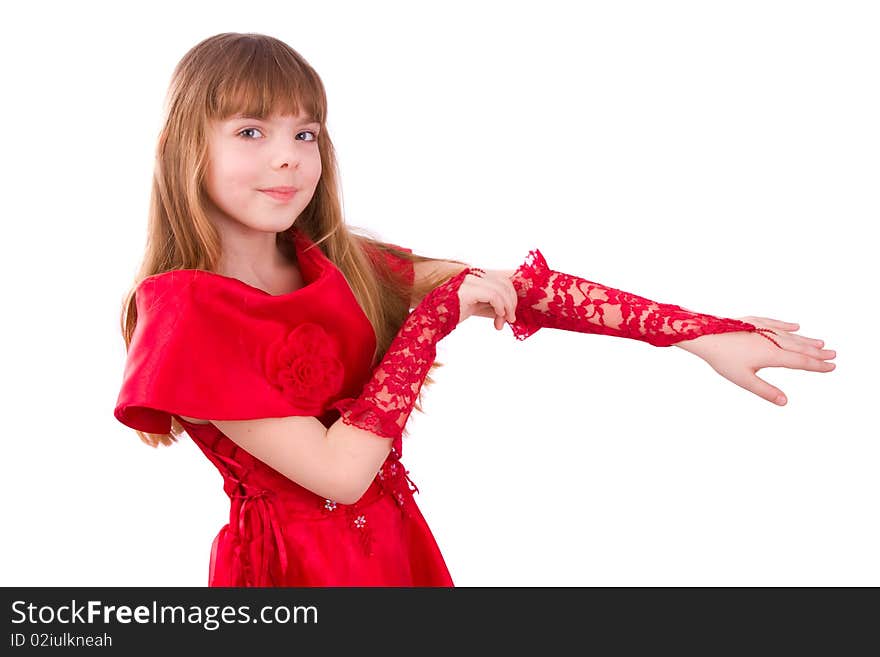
x,y
237,621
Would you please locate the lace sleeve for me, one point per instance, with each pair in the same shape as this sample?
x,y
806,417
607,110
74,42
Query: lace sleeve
x,y
389,396
552,299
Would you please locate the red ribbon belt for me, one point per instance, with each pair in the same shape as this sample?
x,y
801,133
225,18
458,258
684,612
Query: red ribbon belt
x,y
256,530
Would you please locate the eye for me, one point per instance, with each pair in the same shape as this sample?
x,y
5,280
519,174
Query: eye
x,y
311,132
247,130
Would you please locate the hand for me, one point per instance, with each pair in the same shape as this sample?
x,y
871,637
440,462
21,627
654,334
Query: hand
x,y
738,355
490,295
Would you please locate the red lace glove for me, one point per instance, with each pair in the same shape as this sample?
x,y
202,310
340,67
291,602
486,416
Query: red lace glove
x,y
389,396
553,299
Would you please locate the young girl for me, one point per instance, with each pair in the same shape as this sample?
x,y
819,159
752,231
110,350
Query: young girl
x,y
293,351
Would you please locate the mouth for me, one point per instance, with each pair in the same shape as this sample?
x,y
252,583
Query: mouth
x,y
279,195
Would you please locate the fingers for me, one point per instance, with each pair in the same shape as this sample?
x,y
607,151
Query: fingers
x,y
805,346
763,389
755,384
509,297
800,361
804,339
789,327
814,341
503,297
814,352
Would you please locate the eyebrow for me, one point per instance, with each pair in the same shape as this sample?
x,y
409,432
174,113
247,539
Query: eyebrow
x,y
253,117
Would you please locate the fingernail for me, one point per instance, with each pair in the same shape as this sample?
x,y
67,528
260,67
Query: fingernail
x,y
780,399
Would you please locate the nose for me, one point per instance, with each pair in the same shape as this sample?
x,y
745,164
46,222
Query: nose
x,y
288,161
287,156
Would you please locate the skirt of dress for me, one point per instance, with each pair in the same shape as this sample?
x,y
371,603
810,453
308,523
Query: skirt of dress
x,y
380,541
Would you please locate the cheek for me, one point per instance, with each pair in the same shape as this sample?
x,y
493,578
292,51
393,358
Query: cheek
x,y
230,183
315,171
236,181
239,170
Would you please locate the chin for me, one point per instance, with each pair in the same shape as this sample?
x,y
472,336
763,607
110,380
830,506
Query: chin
x,y
271,224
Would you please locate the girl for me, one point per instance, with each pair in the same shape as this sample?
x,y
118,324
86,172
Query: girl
x,y
293,351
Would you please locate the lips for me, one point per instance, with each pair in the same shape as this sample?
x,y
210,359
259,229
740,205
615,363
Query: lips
x,y
279,196
280,190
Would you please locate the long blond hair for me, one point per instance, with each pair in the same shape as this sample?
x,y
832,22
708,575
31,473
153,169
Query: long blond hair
x,y
261,76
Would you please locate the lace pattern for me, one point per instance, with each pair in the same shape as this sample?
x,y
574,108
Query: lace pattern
x,y
389,396
552,299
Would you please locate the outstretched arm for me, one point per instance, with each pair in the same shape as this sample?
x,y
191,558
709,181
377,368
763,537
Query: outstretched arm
x,y
552,299
549,298
542,297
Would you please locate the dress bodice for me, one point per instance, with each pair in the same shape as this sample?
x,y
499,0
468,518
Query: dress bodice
x,y
213,347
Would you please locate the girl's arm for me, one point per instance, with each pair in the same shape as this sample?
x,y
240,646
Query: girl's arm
x,y
551,299
554,299
426,270
332,463
547,298
423,271
341,462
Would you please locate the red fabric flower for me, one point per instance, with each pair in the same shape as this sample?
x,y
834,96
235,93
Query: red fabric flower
x,y
305,368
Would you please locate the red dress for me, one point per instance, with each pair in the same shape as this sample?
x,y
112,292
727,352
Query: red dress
x,y
210,346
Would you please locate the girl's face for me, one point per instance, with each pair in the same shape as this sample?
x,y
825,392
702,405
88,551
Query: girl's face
x,y
246,155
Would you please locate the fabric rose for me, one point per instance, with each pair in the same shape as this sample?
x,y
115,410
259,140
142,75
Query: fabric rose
x,y
305,367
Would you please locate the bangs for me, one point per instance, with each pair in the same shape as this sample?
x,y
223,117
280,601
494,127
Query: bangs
x,y
259,79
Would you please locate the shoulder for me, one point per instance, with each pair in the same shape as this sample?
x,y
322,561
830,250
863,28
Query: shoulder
x,y
385,252
394,259
189,294
168,289
176,322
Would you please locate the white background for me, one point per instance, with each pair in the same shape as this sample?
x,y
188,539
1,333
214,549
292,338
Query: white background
x,y
720,156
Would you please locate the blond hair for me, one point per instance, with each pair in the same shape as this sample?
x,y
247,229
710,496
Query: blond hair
x,y
261,76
